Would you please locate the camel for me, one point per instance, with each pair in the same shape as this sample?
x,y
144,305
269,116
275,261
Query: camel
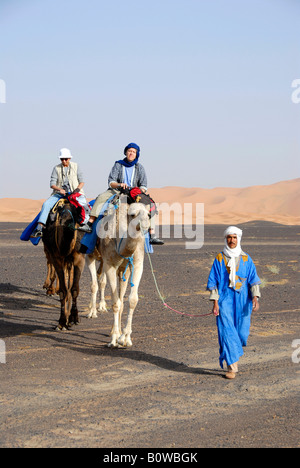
x,y
61,244
120,250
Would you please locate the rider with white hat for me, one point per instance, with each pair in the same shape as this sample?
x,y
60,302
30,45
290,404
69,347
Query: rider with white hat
x,y
66,178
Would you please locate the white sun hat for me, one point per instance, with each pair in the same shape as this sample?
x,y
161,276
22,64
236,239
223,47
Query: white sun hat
x,y
65,153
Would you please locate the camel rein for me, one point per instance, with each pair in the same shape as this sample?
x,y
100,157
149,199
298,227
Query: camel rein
x,y
61,203
129,262
161,296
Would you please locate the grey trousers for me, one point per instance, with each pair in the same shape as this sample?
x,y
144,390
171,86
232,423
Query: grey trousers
x,y
100,200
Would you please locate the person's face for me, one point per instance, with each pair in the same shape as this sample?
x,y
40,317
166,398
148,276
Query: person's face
x,y
65,162
232,241
131,154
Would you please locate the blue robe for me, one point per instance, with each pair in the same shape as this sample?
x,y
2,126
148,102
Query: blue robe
x,y
235,305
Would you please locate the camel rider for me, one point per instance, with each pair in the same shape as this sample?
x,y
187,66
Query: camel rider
x,y
66,178
126,173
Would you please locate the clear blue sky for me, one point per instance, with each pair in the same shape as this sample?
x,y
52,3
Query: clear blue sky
x,y
203,86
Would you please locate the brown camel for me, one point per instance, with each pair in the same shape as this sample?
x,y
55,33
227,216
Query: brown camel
x,y
61,244
120,250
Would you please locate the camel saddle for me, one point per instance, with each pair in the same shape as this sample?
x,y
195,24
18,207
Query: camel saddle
x,y
136,195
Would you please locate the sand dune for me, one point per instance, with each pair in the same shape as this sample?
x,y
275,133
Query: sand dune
x,y
278,202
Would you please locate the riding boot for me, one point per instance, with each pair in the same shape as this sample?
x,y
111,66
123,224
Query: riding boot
x,y
155,241
38,232
86,227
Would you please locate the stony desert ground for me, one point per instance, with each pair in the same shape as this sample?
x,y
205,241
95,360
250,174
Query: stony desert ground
x,y
67,389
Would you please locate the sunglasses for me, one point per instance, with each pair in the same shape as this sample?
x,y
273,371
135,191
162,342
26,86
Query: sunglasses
x,y
64,159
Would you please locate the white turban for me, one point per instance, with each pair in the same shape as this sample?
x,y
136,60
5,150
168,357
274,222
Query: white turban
x,y
232,253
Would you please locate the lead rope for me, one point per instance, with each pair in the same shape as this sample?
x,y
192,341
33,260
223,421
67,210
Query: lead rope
x,y
129,262
162,298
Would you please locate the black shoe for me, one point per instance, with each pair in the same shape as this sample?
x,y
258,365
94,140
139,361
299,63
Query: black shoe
x,y
155,241
36,233
83,249
86,228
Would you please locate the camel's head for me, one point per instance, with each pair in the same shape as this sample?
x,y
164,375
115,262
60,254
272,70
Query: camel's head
x,y
139,219
64,214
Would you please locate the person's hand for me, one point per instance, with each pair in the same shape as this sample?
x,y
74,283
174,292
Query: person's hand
x,y
62,192
216,310
123,186
255,304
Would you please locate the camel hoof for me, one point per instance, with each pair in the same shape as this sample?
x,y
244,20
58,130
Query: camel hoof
x,y
112,345
50,292
60,328
125,342
121,340
92,314
102,309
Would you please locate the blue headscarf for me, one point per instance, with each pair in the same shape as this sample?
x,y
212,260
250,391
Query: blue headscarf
x,y
124,161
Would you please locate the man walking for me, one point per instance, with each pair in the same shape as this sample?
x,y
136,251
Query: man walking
x,y
234,286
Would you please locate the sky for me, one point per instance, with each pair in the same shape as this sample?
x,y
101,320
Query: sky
x,y
202,86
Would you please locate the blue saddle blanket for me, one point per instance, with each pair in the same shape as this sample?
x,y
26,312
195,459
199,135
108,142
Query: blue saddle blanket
x,y
25,236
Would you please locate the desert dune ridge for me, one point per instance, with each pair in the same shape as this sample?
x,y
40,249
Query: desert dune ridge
x,y
279,203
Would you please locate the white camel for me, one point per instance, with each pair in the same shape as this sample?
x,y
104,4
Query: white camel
x,y
120,250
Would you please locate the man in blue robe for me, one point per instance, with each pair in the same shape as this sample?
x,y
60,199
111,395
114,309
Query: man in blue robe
x,y
234,286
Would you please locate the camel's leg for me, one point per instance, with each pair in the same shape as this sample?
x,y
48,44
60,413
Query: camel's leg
x,y
47,280
122,290
65,297
123,287
50,279
74,317
91,262
65,275
69,275
125,338
102,284
57,283
78,267
112,279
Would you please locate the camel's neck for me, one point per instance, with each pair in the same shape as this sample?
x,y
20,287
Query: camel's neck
x,y
127,236
126,246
